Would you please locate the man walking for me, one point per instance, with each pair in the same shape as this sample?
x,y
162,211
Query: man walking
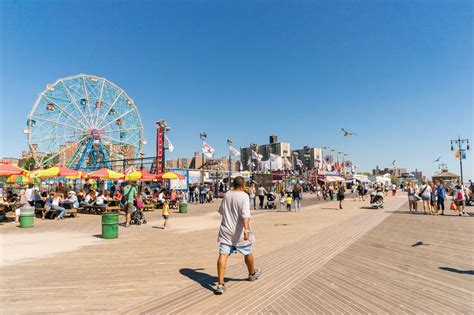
x,y
129,193
234,233
261,195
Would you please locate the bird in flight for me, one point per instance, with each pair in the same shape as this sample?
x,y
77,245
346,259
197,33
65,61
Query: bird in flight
x,y
348,133
437,160
393,163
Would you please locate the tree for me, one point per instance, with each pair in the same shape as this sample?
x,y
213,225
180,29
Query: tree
x,y
28,164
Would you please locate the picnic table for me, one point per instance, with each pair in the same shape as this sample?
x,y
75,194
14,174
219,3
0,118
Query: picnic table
x,y
110,205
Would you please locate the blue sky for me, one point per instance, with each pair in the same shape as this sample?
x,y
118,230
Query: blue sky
x,y
399,73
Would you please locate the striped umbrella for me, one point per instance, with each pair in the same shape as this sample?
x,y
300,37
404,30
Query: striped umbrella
x,y
106,174
7,169
22,179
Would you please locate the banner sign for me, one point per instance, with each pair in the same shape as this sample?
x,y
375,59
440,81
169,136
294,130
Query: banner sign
x,y
159,150
179,184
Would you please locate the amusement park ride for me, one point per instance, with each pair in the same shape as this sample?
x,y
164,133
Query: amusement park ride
x,y
84,122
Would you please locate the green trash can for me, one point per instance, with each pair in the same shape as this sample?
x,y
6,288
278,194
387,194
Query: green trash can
x,y
183,207
110,223
27,220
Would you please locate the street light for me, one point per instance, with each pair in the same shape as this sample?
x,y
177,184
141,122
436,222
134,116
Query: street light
x,y
459,143
229,142
203,137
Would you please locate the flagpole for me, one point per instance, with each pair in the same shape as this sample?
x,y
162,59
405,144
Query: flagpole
x,y
229,142
203,137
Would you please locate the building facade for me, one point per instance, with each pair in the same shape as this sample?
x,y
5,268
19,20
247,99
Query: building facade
x,y
282,149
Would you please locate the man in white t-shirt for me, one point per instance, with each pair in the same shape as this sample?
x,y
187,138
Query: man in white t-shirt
x,y
235,234
30,195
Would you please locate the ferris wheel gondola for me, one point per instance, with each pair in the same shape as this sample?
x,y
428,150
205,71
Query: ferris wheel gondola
x,y
84,122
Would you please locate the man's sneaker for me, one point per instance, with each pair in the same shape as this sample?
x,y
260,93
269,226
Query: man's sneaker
x,y
220,288
256,273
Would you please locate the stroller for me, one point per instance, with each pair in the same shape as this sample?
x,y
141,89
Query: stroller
x,y
376,199
138,217
270,201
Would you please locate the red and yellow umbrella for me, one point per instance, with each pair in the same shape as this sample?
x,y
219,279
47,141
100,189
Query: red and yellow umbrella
x,y
140,175
105,174
57,171
170,175
7,169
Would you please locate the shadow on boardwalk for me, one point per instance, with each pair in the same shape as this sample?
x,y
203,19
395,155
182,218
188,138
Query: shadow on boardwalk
x,y
205,280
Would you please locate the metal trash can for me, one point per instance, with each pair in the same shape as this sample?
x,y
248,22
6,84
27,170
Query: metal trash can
x,y
183,207
110,223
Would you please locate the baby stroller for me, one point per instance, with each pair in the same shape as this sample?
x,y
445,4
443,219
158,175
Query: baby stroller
x,y
138,217
376,200
270,201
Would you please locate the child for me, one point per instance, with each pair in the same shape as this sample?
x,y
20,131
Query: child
x,y
166,213
282,200
289,200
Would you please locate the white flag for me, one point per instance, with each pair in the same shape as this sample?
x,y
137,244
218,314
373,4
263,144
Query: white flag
x,y
256,156
299,162
234,151
168,144
274,157
207,150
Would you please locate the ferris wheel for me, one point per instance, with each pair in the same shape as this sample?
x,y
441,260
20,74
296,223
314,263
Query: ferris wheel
x,y
84,122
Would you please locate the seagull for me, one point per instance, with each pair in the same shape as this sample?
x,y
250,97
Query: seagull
x,y
419,243
348,133
393,163
437,160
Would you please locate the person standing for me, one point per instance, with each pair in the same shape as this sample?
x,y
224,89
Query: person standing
x,y
288,202
202,194
459,198
331,192
129,193
252,197
261,195
297,193
235,234
441,194
412,200
166,213
340,194
425,194
30,195
394,189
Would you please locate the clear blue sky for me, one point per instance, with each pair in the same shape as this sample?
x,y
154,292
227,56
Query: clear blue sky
x,y
399,73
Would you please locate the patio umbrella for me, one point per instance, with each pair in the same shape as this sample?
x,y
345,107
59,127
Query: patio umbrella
x,y
131,169
9,169
170,175
22,179
140,175
56,171
105,174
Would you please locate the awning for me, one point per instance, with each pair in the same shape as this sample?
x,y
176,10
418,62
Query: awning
x,y
332,179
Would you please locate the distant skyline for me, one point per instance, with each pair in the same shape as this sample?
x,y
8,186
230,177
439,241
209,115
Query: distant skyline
x,y
397,73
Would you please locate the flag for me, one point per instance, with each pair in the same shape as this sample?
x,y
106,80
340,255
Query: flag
x,y
233,151
256,156
207,150
274,157
457,154
168,144
299,162
463,154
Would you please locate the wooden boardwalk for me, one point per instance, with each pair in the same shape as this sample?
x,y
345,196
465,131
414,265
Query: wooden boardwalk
x,y
341,270
319,260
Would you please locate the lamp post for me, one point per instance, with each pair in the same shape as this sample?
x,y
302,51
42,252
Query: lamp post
x,y
203,137
459,142
229,142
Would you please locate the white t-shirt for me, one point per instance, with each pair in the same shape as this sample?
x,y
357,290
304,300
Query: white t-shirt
x,y
234,208
394,187
427,192
100,200
29,194
56,201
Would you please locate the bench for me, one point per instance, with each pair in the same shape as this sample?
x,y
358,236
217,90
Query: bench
x,y
148,207
41,212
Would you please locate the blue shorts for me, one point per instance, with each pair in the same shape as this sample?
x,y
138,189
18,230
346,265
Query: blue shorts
x,y
230,249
